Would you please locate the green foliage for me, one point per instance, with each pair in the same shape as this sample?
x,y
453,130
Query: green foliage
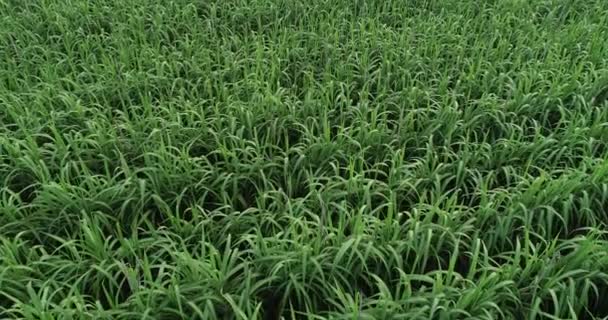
x,y
291,159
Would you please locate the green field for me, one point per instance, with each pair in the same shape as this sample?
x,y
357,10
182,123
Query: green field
x,y
303,159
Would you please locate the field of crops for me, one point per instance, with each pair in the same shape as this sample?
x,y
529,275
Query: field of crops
x,y
303,159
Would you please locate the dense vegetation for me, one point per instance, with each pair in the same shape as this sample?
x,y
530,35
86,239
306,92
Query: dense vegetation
x,y
306,159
